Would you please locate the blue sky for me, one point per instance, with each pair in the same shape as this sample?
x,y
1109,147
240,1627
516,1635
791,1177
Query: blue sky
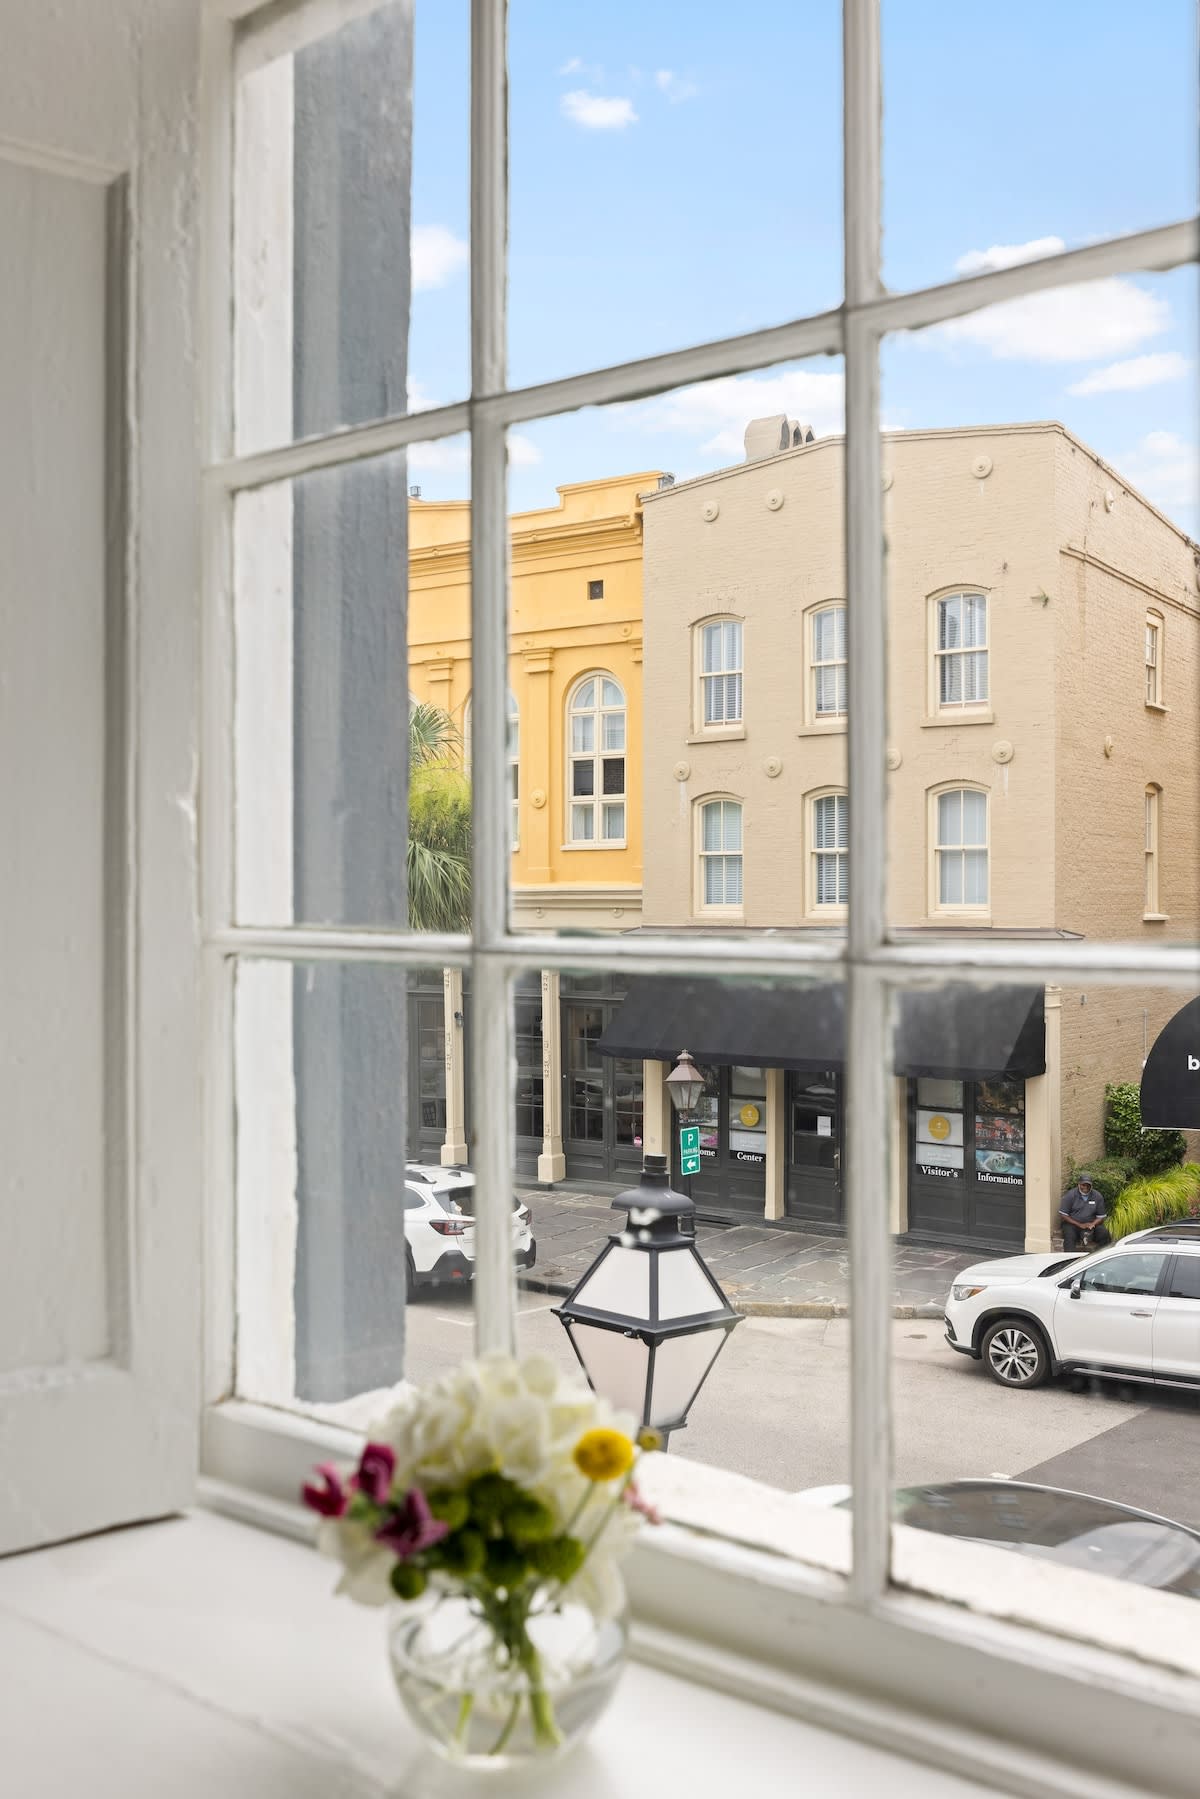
x,y
675,179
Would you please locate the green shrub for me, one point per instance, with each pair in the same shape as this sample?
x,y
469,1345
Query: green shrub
x,y
1110,1175
1157,1199
1153,1151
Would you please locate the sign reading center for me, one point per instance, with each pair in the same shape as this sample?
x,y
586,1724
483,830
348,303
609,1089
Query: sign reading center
x,y
689,1149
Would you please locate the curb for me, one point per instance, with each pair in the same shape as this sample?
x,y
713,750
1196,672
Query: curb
x,y
756,1308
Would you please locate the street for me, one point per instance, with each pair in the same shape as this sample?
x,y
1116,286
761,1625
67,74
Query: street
x,y
776,1408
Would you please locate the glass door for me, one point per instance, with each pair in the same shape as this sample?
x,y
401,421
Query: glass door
x,y
814,1164
732,1115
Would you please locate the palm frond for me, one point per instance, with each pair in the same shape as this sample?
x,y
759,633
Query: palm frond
x,y
433,738
439,888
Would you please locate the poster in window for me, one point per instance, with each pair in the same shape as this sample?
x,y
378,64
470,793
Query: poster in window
x,y
1000,1133
1000,1168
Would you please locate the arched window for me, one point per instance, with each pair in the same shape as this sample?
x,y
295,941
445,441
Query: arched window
x,y
720,853
596,761
961,650
1151,903
829,843
960,875
513,756
719,646
827,660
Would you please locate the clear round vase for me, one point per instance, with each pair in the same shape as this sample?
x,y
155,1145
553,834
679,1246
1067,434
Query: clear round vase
x,y
491,1689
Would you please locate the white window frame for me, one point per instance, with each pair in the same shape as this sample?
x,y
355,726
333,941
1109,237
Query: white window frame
x,y
814,907
597,799
1152,886
956,909
941,711
1155,639
723,727
814,719
700,904
996,1697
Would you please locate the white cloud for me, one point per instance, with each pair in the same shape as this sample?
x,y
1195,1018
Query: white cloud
x,y
1007,256
596,113
1084,323
1131,376
675,87
452,453
572,66
715,414
1166,469
522,451
437,255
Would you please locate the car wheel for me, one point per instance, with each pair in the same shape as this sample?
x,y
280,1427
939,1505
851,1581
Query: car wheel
x,y
1014,1353
410,1278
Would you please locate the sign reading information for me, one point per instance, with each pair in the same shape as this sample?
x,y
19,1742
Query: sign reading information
x,y
689,1149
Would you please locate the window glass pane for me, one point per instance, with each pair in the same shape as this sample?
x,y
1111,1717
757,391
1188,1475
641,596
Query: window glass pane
x,y
711,646
583,777
585,696
950,818
583,824
710,817
614,774
614,822
1185,1282
591,109
614,730
612,694
974,817
583,731
357,138
1103,83
335,614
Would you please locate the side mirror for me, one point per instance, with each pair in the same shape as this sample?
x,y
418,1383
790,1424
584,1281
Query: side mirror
x,y
1077,1286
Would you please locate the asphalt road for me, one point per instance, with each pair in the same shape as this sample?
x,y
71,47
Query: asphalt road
x,y
776,1407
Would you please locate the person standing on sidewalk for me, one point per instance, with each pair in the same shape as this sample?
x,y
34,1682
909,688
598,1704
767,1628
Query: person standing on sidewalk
x,y
1082,1216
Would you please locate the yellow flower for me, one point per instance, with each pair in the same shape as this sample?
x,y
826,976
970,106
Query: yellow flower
x,y
648,1438
604,1454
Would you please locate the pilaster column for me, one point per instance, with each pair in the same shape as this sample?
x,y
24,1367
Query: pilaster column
x,y
656,1111
552,1163
540,776
454,1149
776,1170
1043,1136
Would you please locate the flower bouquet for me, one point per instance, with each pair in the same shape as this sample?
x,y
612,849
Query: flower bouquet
x,y
493,1507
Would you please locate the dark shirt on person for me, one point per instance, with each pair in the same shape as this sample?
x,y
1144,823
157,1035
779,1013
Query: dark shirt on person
x,y
1082,1208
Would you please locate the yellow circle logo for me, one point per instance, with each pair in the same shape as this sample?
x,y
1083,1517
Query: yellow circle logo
x,y
749,1116
939,1127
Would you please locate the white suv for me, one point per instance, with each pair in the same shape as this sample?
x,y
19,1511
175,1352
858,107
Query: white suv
x,y
1131,1311
439,1227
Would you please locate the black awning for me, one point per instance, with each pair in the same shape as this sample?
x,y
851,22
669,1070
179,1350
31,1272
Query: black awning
x,y
729,1021
959,1032
1171,1077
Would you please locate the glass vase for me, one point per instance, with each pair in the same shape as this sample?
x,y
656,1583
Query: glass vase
x,y
500,1685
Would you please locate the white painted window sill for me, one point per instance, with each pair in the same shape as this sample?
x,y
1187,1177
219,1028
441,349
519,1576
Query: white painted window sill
x,y
1156,918
200,1656
978,716
719,734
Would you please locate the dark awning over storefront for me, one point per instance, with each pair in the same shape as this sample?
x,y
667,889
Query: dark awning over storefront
x,y
959,1032
1171,1077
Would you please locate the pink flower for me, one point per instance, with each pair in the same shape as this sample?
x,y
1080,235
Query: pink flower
x,y
328,1497
637,1502
375,1471
411,1527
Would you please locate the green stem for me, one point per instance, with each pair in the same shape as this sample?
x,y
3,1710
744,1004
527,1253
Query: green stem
x,y
541,1707
465,1707
501,1742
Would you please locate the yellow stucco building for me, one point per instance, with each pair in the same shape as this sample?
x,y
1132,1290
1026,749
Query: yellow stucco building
x,y
575,766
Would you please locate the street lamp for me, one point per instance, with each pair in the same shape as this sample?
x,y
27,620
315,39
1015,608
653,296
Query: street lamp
x,y
648,1319
685,1084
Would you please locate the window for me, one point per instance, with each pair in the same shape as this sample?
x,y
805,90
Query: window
x,y
721,854
1151,905
828,663
1154,642
1124,1274
512,762
829,838
1185,1278
961,848
961,654
596,761
595,590
721,673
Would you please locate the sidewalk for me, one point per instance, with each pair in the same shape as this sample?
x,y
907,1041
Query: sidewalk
x,y
765,1269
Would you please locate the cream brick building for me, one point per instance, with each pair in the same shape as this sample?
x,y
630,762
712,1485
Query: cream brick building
x,y
1045,780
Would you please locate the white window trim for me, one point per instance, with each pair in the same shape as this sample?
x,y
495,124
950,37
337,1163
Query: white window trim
x,y
935,1658
571,842
1152,912
1155,622
703,732
936,907
832,913
820,722
699,906
974,712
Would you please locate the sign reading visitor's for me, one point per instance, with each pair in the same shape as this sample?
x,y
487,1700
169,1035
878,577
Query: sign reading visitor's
x,y
689,1149
1171,1077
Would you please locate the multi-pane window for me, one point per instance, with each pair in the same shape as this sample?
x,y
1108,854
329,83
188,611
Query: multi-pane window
x,y
596,761
721,853
721,672
830,844
829,662
962,650
962,848
1153,659
1150,903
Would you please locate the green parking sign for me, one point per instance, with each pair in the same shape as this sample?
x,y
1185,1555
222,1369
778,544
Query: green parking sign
x,y
689,1149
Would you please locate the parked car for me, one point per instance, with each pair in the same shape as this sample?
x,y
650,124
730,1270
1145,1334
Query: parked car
x,y
1131,1311
1050,1524
439,1227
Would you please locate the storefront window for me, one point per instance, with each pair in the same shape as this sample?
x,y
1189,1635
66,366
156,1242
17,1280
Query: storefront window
x,y
748,1116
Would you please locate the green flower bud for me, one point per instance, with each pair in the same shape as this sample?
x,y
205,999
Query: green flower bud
x,y
449,1507
490,1496
560,1558
462,1553
506,1564
408,1581
528,1520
